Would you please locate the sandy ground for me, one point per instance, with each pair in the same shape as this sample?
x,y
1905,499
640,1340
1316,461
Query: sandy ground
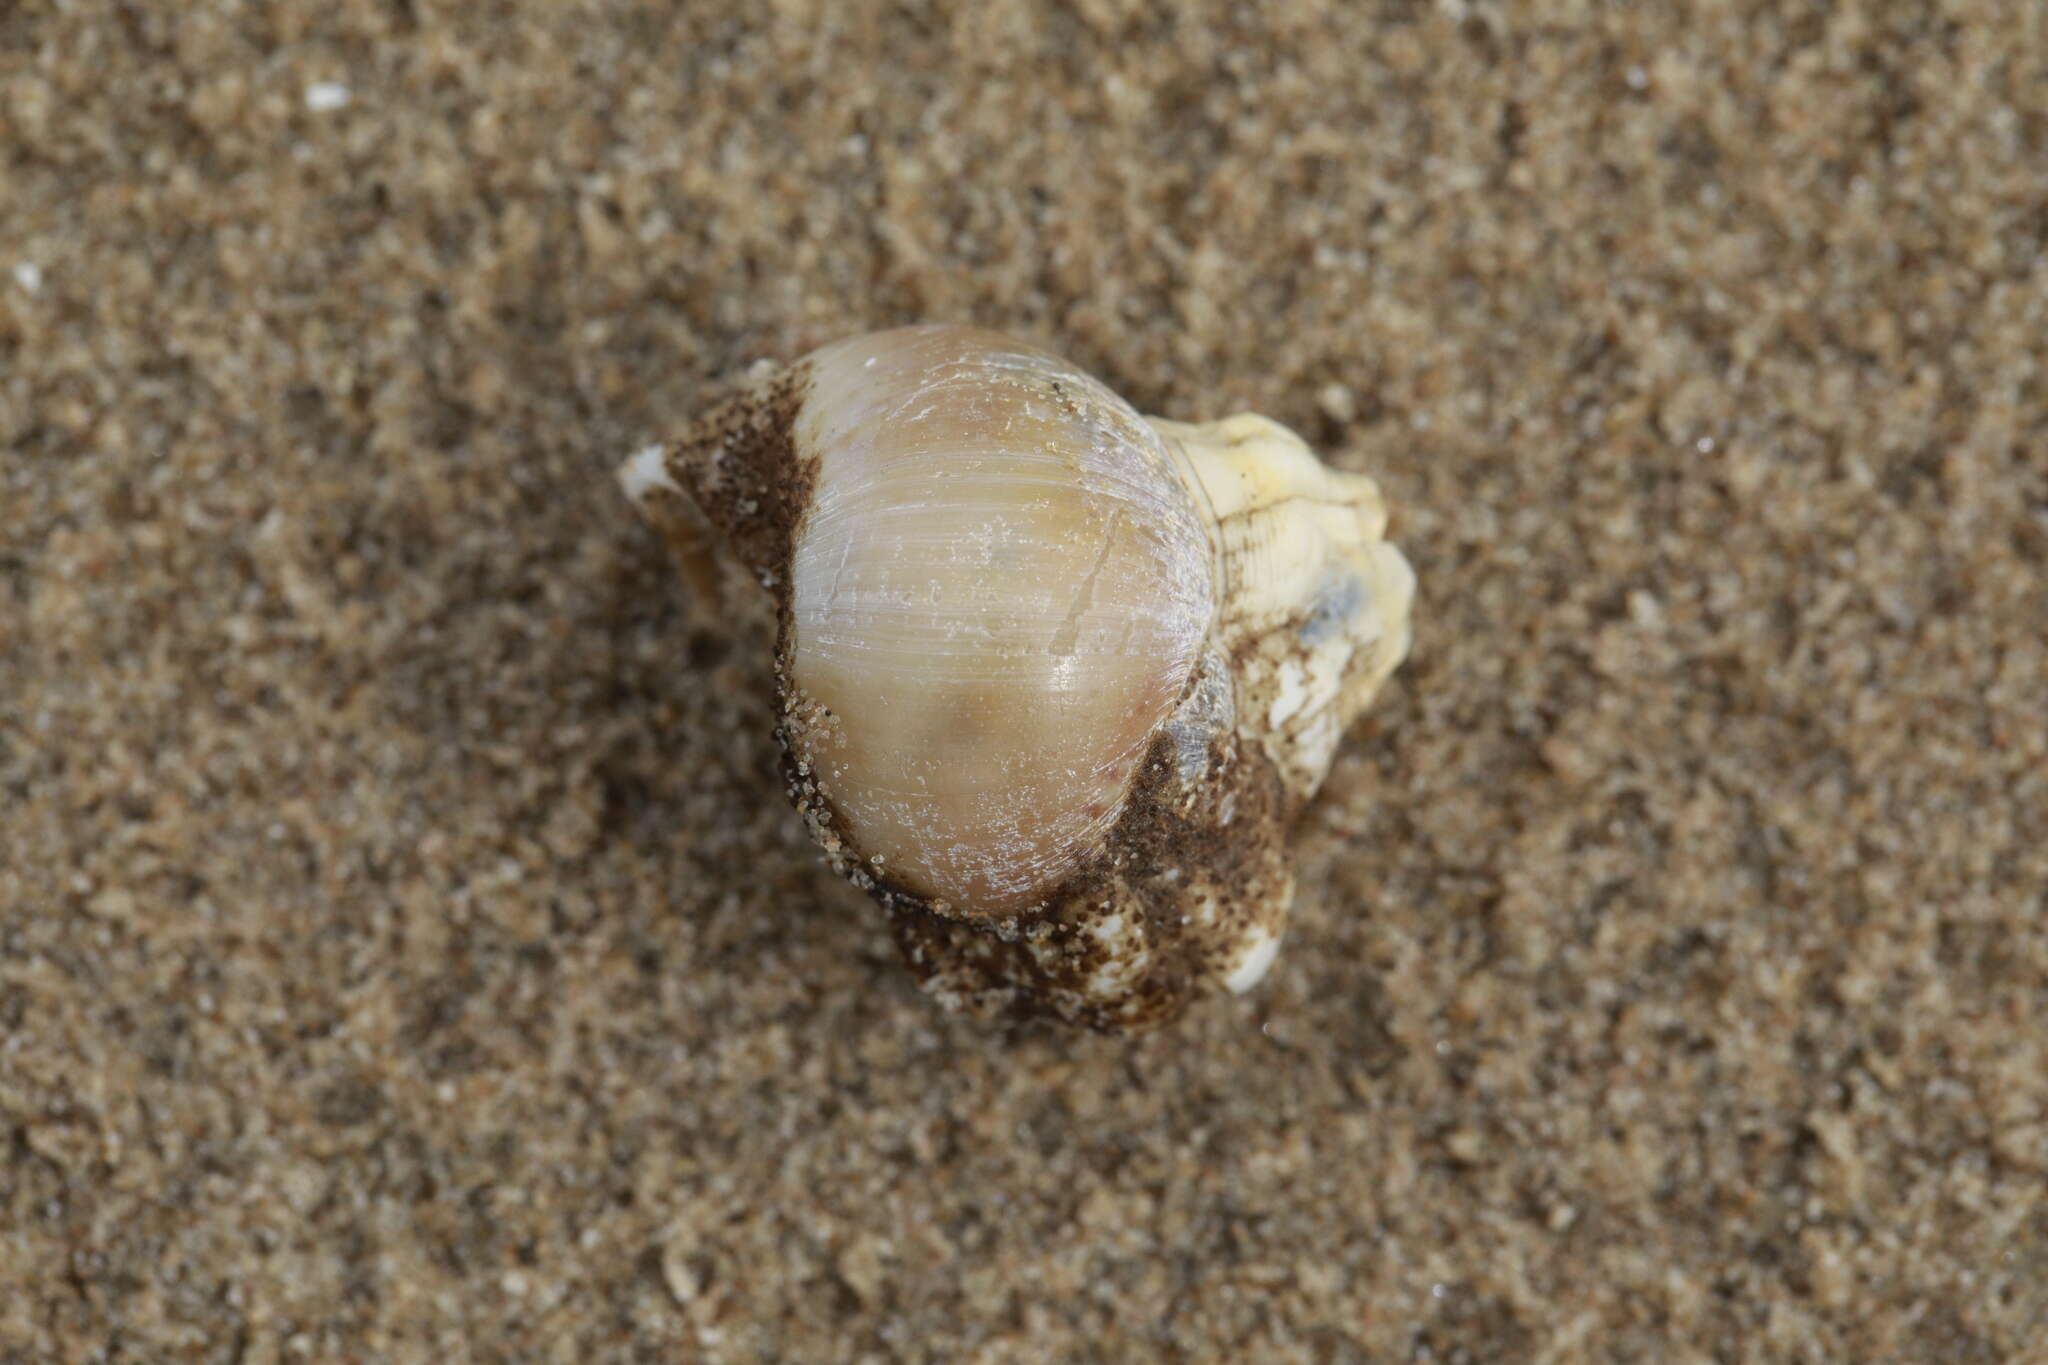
x,y
405,951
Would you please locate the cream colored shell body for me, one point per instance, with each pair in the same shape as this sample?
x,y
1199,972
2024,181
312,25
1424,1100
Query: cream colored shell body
x,y
997,593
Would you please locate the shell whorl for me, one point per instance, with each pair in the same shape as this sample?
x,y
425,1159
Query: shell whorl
x,y
997,593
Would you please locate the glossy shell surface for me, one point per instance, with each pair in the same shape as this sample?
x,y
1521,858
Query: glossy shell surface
x,y
997,594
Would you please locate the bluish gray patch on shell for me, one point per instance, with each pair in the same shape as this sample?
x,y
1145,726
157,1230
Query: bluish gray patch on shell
x,y
1338,600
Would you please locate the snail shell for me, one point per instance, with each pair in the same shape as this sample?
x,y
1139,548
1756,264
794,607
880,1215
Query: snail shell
x,y
1053,676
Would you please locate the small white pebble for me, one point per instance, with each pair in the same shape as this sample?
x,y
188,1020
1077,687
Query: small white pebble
x,y
1637,78
646,471
324,97
29,276
1255,956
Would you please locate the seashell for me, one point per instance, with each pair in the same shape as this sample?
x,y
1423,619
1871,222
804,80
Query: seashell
x,y
1054,677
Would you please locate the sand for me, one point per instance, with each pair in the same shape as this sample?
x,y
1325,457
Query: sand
x,y
405,950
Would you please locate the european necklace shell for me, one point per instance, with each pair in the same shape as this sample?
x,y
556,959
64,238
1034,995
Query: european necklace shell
x,y
1053,676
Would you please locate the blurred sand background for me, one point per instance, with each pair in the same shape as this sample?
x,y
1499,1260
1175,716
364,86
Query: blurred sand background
x,y
406,952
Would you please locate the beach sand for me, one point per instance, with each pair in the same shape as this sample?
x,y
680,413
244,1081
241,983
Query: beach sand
x,y
407,953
